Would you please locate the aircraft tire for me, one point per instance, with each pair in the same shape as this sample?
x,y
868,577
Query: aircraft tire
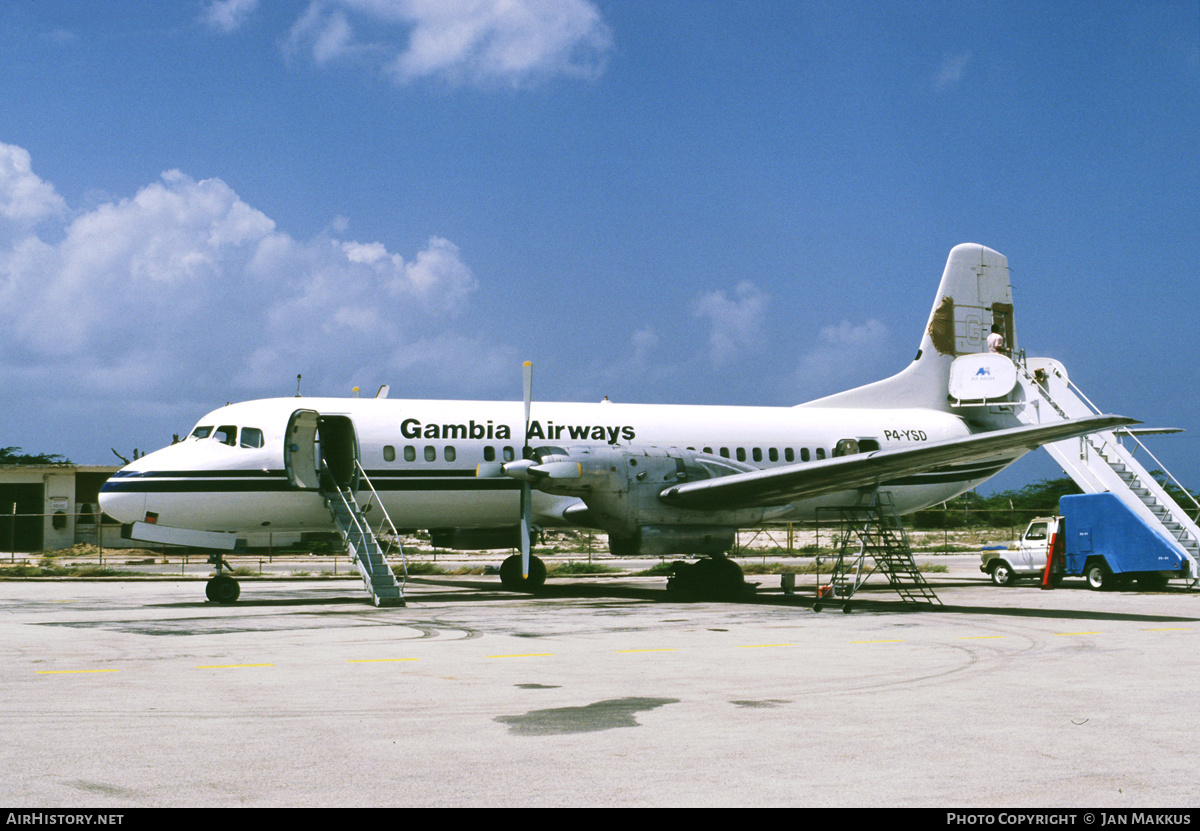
x,y
512,579
711,578
222,589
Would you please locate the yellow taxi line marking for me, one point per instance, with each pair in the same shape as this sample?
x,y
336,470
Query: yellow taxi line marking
x,y
71,671
1170,629
232,666
378,660
525,655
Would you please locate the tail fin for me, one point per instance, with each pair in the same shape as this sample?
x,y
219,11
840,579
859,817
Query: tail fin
x,y
973,296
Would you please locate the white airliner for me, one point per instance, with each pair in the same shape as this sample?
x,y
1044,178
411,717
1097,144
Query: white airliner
x,y
657,478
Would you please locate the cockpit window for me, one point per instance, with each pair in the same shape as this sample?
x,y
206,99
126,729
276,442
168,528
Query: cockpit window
x,y
202,432
252,437
227,434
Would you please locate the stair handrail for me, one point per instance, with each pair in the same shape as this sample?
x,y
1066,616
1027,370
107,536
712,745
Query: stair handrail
x,y
395,535
349,509
1123,431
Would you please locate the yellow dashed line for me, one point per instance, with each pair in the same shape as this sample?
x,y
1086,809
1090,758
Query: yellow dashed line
x,y
1170,629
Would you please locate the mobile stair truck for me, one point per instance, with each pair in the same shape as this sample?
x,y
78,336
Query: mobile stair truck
x,y
1098,537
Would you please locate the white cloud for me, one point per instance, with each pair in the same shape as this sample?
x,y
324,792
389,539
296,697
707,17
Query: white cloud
x,y
736,324
510,42
846,356
184,286
952,70
227,15
24,198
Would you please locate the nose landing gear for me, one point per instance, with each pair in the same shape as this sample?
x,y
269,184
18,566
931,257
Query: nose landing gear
x,y
222,588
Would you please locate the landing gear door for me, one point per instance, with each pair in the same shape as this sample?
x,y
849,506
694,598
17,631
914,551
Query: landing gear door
x,y
300,450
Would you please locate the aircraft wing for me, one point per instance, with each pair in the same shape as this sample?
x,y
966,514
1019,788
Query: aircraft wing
x,y
782,485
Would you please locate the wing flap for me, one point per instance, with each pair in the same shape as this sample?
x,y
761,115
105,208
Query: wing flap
x,y
781,485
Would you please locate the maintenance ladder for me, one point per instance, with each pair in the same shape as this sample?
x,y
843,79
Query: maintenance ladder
x,y
873,525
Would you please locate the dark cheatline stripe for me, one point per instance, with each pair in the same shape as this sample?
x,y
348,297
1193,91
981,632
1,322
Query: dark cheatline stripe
x,y
257,481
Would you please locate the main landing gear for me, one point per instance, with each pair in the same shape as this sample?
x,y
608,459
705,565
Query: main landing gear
x,y
512,578
222,588
712,578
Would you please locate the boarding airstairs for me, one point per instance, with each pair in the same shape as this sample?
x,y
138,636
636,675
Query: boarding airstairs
x,y
874,528
363,543
1103,461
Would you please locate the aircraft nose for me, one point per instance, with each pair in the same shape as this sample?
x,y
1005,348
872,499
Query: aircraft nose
x,y
119,501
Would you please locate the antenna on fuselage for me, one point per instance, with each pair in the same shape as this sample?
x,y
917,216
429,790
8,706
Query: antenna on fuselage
x,y
297,384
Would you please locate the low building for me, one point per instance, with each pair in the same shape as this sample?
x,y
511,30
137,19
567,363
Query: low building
x,y
47,507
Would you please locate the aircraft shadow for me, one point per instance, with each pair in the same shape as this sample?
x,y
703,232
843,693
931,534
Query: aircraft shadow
x,y
872,599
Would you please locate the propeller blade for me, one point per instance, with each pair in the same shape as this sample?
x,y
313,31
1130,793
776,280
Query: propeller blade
x,y
526,497
527,384
526,493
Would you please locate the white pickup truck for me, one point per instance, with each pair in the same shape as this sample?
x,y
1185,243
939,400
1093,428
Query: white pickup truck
x,y
1029,558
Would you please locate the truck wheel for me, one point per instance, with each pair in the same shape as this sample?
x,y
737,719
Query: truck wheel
x,y
1098,577
1002,574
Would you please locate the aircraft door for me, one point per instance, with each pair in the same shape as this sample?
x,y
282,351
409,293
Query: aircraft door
x,y
338,448
300,450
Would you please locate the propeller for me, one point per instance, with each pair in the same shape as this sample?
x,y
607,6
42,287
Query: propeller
x,y
528,469
526,454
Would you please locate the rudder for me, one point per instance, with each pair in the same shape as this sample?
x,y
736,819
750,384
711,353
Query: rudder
x,y
974,294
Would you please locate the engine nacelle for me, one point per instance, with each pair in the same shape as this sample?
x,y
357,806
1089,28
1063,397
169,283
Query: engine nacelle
x,y
621,487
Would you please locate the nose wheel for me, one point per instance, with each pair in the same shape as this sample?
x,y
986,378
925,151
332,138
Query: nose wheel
x,y
222,588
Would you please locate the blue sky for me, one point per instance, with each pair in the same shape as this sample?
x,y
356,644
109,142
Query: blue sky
x,y
685,202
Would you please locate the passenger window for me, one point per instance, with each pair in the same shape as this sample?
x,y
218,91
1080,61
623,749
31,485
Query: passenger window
x,y
389,453
741,454
1036,532
430,453
227,434
820,453
804,457
489,453
252,437
410,453
758,454
725,452
773,455
789,455
708,450
509,455
450,454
